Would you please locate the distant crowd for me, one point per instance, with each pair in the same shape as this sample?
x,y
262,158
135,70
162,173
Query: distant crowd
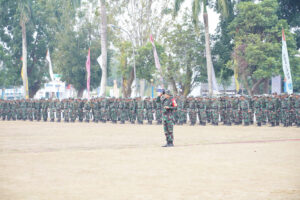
x,y
274,110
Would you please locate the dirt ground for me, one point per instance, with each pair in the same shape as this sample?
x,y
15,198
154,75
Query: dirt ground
x,y
80,161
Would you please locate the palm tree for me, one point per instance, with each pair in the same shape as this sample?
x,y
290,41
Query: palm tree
x,y
196,8
103,29
24,7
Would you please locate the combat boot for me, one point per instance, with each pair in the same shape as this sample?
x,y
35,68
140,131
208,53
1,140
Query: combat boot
x,y
272,124
258,124
168,144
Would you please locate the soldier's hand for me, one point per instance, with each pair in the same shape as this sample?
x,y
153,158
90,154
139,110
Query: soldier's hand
x,y
166,107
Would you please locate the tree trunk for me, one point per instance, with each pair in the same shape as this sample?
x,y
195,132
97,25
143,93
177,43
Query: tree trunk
x,y
103,48
188,81
266,86
126,84
24,59
80,93
244,77
209,64
255,87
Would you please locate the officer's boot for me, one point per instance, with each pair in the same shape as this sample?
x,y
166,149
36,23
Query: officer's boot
x,y
272,124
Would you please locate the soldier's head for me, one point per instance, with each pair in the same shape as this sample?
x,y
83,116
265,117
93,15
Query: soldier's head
x,y
167,94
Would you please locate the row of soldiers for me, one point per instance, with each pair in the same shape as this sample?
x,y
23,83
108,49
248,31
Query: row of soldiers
x,y
274,110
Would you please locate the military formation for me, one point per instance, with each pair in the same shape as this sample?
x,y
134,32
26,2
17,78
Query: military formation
x,y
274,110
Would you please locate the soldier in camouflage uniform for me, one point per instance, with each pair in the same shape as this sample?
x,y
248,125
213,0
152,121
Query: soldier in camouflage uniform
x,y
132,110
271,110
245,110
113,110
73,108
285,108
87,110
168,105
222,109
149,110
66,110
52,108
215,110
80,110
45,106
228,111
140,111
192,110
292,112
297,110
257,106
201,106
181,110
264,110
59,107
236,111
23,107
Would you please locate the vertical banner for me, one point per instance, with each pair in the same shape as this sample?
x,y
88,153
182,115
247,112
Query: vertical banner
x,y
276,84
214,80
88,73
156,59
286,67
50,65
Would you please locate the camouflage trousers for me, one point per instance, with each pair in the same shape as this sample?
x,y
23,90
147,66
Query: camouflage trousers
x,y
271,116
228,116
192,116
202,115
258,115
214,116
168,128
297,111
285,116
236,116
246,116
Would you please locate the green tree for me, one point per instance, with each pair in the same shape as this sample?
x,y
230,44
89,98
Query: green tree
x,y
185,64
257,44
290,10
196,8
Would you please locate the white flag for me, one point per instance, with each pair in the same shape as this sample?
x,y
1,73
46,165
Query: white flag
x,y
99,60
214,80
50,65
286,67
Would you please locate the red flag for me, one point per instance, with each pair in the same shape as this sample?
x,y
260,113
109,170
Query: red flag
x,y
88,72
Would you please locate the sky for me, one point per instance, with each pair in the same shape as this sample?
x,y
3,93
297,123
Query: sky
x,y
213,17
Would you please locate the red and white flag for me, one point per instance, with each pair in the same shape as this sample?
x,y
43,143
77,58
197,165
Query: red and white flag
x,y
156,59
88,73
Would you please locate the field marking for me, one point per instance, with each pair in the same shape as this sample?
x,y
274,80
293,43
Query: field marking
x,y
127,146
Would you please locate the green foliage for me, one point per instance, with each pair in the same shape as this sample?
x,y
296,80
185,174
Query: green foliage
x,y
223,47
145,63
290,10
185,49
11,14
257,42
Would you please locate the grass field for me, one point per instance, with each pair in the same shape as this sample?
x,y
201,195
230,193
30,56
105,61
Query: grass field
x,y
62,161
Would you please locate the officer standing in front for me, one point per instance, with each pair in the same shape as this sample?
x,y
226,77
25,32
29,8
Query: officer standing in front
x,y
168,107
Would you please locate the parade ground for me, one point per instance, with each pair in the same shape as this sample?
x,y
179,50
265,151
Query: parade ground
x,y
84,161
